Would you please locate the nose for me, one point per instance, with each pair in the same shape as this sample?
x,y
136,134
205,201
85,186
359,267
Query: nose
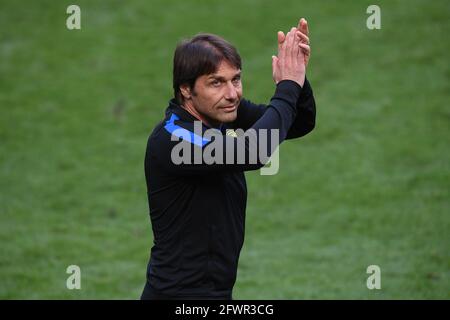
x,y
231,93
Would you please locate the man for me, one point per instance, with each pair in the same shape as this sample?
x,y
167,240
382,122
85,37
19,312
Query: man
x,y
197,208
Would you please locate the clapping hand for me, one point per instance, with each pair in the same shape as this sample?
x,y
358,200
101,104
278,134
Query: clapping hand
x,y
301,39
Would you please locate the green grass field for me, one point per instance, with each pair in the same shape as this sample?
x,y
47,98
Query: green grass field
x,y
369,186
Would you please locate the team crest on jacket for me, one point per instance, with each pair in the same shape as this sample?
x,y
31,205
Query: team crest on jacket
x,y
231,133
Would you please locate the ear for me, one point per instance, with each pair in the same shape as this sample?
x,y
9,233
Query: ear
x,y
185,91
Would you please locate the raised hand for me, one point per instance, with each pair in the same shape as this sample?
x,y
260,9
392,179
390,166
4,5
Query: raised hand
x,y
304,35
303,42
289,64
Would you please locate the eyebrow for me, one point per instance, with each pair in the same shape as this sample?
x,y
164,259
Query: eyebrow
x,y
214,76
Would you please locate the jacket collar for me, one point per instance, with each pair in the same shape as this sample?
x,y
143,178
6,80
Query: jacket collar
x,y
184,115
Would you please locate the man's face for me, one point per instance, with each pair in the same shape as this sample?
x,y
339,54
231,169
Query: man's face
x,y
216,96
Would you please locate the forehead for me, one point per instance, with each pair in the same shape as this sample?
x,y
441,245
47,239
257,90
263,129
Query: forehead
x,y
224,70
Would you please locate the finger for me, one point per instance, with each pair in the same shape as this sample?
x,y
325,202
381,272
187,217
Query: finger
x,y
295,48
282,47
305,47
296,42
303,26
290,56
287,47
281,38
300,22
292,38
304,38
305,52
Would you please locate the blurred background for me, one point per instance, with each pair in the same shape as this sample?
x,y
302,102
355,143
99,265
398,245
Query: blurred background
x,y
369,186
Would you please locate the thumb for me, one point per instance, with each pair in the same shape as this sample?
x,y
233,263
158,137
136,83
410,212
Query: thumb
x,y
274,63
275,72
281,37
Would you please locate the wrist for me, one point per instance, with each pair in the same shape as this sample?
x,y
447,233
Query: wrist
x,y
297,80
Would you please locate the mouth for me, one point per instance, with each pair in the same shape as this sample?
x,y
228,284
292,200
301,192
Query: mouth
x,y
229,108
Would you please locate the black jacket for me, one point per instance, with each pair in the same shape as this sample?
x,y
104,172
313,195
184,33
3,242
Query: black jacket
x,y
197,211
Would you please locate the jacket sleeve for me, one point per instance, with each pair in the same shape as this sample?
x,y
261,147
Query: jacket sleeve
x,y
248,151
305,120
249,113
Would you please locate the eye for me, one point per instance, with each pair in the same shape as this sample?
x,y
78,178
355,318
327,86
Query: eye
x,y
215,83
237,81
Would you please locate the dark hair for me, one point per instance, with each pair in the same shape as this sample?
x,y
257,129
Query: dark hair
x,y
199,56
